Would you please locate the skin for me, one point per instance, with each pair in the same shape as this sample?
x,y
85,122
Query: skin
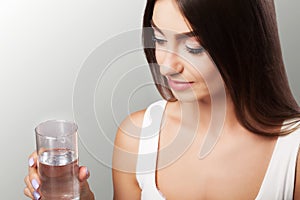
x,y
237,164
216,176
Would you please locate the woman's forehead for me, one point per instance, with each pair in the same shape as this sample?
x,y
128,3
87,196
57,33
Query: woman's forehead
x,y
167,16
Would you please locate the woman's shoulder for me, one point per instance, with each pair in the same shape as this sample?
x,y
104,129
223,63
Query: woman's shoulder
x,y
127,137
126,144
129,130
126,147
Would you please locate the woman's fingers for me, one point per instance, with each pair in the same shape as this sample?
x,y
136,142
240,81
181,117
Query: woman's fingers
x,y
32,160
28,193
28,184
85,191
32,171
32,180
83,173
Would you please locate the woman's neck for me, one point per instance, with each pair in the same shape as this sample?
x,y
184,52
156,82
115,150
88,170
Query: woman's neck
x,y
205,113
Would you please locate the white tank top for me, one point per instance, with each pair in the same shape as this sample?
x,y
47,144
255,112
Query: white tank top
x,y
278,183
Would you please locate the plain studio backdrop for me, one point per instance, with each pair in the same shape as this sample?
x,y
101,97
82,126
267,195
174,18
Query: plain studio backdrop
x,y
43,48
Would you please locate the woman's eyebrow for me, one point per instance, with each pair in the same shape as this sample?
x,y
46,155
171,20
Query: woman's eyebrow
x,y
155,27
178,36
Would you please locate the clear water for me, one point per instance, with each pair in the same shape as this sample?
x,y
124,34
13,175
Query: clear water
x,y
58,170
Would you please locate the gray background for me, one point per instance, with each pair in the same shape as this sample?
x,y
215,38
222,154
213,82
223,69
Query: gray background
x,y
43,45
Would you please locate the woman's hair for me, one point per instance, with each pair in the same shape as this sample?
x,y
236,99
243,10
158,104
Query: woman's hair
x,y
242,39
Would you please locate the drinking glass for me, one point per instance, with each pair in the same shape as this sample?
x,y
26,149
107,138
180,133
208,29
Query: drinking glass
x,y
57,148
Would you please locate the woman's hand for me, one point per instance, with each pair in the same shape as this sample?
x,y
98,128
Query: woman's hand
x,y
33,182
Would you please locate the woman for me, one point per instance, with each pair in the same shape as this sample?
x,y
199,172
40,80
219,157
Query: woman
x,y
230,126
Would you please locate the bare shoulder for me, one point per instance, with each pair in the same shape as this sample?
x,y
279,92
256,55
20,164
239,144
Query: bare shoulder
x,y
125,156
127,137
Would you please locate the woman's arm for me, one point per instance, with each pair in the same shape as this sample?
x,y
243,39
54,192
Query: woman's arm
x,y
125,157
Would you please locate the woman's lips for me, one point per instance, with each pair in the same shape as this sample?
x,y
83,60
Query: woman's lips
x,y
179,85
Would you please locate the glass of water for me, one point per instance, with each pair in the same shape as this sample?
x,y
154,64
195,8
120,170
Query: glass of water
x,y
57,149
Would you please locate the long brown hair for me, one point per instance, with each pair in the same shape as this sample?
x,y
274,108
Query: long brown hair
x,y
242,39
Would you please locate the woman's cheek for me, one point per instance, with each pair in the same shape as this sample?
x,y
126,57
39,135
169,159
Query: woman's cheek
x,y
159,54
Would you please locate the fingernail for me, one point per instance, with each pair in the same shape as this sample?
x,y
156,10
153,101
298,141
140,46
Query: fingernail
x,y
35,184
87,172
36,195
31,162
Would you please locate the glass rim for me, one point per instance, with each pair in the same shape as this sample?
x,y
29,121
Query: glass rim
x,y
72,123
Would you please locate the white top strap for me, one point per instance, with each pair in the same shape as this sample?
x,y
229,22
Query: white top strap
x,y
148,147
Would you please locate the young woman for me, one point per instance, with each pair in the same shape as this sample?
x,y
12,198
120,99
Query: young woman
x,y
228,127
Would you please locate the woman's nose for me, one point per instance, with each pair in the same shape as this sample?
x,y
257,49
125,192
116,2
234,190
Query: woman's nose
x,y
170,64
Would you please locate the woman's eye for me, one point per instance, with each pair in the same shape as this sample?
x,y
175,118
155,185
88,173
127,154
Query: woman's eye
x,y
197,50
158,40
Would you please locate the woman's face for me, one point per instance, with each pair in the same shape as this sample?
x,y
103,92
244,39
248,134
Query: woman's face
x,y
191,73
